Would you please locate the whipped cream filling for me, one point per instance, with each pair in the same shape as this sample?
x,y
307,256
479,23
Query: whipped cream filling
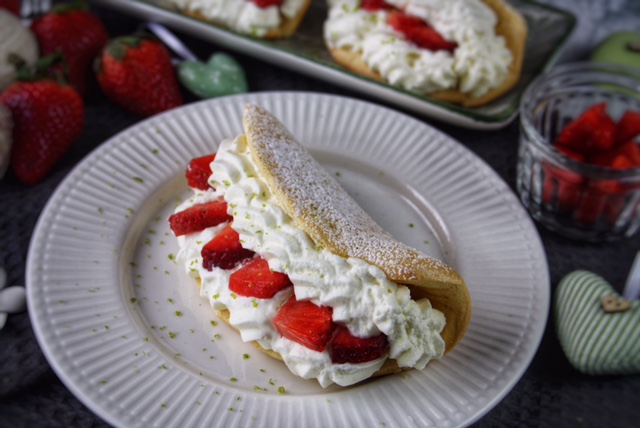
x,y
361,296
479,63
243,16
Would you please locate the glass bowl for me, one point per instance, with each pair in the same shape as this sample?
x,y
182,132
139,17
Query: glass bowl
x,y
577,199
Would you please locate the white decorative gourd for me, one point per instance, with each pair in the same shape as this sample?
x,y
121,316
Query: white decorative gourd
x,y
14,38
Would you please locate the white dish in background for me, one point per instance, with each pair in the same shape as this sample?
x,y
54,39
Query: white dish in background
x,y
304,52
126,331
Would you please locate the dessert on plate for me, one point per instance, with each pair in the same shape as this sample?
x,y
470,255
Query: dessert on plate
x,y
288,258
466,52
263,19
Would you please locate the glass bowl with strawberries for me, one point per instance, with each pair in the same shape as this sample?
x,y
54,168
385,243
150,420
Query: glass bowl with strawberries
x,y
579,152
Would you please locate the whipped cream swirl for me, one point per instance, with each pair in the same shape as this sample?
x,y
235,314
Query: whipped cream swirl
x,y
243,16
479,63
361,296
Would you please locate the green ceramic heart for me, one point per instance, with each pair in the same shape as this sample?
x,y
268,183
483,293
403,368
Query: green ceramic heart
x,y
221,75
595,341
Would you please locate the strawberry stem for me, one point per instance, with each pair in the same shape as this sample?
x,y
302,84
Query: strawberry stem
x,y
52,66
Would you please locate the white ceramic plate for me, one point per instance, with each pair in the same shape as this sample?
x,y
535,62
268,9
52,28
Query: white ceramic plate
x,y
305,52
125,330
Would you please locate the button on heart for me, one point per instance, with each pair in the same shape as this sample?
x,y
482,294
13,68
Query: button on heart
x,y
596,340
220,75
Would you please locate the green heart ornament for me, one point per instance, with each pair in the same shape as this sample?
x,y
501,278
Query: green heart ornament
x,y
598,330
220,75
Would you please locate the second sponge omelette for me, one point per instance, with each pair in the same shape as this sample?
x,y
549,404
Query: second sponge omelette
x,y
324,210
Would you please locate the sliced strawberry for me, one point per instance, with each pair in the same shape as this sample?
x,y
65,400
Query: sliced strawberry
x,y
199,171
600,199
630,149
305,323
593,131
628,127
623,156
571,154
622,162
602,158
419,32
347,348
375,5
199,217
561,188
224,250
256,279
262,4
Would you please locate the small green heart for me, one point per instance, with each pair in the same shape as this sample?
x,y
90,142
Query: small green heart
x,y
596,341
221,75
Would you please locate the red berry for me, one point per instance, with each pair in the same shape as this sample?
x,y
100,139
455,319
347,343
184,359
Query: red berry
x,y
571,154
419,32
78,34
199,171
262,4
136,73
305,323
256,279
199,217
561,188
347,348
12,6
591,132
600,199
631,150
47,119
375,5
224,251
628,127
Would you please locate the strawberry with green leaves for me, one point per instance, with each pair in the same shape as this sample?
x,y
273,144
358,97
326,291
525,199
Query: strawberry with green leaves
x,y
76,32
136,73
48,117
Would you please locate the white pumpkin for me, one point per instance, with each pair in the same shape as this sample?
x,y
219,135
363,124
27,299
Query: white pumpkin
x,y
14,38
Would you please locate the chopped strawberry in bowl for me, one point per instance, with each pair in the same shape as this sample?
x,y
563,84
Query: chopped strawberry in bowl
x,y
579,152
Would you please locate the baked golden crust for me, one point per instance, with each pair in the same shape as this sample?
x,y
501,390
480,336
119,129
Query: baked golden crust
x,y
511,25
286,29
389,367
321,207
324,210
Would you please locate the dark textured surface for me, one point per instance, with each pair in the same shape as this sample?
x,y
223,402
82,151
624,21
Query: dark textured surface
x,y
551,392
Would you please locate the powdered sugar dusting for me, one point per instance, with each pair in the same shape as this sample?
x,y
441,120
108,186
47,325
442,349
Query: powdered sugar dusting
x,y
324,210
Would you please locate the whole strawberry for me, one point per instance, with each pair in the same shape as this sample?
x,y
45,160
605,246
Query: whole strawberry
x,y
48,117
136,73
12,6
77,33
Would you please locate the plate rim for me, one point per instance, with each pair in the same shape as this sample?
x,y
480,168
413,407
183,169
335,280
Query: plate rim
x,y
63,188
333,73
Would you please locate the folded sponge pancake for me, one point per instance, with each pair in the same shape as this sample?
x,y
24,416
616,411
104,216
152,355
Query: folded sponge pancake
x,y
510,25
218,14
325,212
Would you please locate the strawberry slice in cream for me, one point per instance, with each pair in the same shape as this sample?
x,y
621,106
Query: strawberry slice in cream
x,y
477,61
369,310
